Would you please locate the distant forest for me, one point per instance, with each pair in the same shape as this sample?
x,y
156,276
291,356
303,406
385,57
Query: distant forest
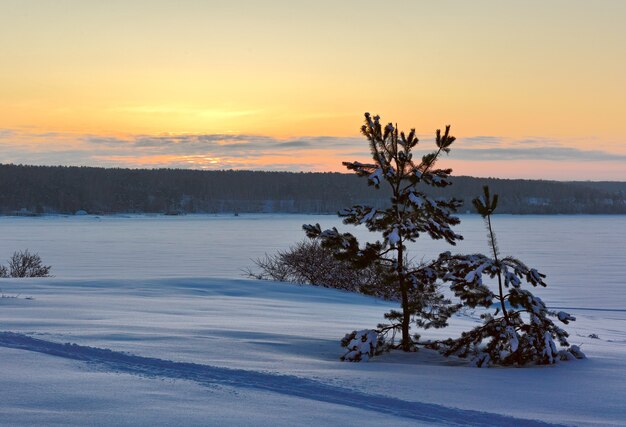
x,y
34,190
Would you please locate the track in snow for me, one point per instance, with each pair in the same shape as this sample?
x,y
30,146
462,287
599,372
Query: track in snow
x,y
285,384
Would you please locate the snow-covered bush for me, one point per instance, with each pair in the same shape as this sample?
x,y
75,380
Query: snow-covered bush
x,y
25,264
361,345
517,328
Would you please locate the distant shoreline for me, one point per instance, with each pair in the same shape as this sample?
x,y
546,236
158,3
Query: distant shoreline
x,y
248,215
36,190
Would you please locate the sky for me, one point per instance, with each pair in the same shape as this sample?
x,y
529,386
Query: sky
x,y
532,89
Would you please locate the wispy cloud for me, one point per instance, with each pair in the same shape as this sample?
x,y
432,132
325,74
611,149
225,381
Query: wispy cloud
x,y
537,152
202,151
244,151
224,144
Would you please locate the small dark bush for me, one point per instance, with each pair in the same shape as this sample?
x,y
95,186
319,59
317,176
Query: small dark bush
x,y
25,264
307,262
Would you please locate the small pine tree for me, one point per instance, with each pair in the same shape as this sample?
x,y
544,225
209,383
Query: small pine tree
x,y
409,215
519,329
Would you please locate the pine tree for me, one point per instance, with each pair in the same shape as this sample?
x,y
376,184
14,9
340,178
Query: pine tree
x,y
409,215
517,327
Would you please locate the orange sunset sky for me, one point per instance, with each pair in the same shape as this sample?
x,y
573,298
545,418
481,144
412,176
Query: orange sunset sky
x,y
532,89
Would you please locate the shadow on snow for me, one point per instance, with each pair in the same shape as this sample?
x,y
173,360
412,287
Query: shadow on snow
x,y
285,384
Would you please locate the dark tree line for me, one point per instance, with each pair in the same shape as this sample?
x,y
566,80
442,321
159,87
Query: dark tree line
x,y
60,189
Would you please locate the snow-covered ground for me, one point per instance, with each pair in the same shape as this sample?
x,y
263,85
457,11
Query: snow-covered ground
x,y
165,349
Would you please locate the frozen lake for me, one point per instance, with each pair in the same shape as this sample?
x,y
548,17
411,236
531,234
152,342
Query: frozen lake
x,y
583,256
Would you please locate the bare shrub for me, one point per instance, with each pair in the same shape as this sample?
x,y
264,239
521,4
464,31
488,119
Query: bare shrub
x,y
25,264
307,262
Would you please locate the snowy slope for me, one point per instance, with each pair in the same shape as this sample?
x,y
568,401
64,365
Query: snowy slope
x,y
209,351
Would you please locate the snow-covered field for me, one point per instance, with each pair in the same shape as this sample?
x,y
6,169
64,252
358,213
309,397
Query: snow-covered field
x,y
163,331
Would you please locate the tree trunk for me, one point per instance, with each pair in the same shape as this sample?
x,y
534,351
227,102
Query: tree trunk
x,y
406,314
406,318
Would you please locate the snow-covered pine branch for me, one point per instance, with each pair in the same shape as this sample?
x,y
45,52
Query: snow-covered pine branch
x,y
358,214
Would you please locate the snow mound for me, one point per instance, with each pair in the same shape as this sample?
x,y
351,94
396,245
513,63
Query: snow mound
x,y
361,345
